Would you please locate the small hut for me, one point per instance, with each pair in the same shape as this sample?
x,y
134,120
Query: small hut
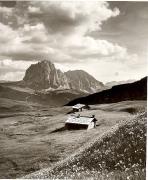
x,y
80,122
79,107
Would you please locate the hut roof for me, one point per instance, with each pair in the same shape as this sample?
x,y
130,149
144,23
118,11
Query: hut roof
x,y
79,119
78,106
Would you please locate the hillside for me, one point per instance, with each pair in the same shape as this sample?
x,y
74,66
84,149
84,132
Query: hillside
x,y
119,153
36,139
132,91
26,95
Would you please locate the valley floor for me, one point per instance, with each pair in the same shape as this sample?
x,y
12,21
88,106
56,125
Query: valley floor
x,y
36,139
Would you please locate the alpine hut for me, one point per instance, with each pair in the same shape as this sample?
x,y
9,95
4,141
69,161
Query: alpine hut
x,y
80,122
79,107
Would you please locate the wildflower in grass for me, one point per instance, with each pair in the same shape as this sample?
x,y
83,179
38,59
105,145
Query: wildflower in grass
x,y
134,165
122,151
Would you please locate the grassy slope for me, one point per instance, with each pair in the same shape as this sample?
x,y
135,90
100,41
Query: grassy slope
x,y
35,139
120,154
50,98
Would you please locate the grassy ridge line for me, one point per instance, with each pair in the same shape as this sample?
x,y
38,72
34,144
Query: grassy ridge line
x,y
44,173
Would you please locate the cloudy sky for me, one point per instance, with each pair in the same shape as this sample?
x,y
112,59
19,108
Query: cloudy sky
x,y
107,39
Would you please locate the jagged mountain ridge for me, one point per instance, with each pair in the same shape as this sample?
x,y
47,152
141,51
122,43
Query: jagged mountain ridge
x,y
131,91
44,75
79,79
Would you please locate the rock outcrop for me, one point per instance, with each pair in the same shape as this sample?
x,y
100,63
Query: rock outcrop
x,y
44,75
79,79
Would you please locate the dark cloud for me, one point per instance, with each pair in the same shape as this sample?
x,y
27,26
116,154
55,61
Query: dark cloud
x,y
38,29
9,4
129,29
57,21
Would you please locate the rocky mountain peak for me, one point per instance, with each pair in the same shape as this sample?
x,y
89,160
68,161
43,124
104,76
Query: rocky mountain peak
x,y
80,79
44,75
46,63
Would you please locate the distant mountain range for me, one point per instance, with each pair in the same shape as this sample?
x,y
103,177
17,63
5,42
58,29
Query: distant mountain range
x,y
44,75
114,83
131,91
46,85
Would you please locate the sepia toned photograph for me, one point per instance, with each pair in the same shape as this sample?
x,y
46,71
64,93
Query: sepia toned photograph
x,y
73,89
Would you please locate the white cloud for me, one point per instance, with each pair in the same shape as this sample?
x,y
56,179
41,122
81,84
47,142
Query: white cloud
x,y
24,43
32,9
13,70
7,34
58,31
17,65
6,10
45,38
11,76
86,47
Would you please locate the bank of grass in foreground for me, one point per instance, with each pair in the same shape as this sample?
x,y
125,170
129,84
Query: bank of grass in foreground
x,y
119,155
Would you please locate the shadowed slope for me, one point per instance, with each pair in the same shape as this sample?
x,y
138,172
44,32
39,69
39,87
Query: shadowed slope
x,y
131,91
